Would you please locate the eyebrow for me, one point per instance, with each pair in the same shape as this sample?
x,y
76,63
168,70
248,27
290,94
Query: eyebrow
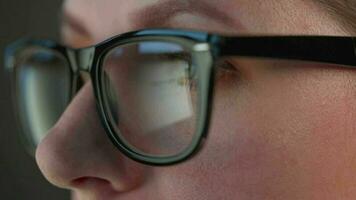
x,y
157,15
161,12
74,24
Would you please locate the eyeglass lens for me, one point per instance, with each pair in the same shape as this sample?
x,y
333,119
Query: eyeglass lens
x,y
43,84
151,97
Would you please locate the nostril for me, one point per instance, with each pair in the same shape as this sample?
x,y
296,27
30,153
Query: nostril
x,y
89,181
97,186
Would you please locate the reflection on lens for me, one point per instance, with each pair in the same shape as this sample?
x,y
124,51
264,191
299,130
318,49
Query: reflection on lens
x,y
43,90
150,96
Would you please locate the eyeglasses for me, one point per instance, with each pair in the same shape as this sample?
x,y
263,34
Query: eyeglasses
x,y
153,87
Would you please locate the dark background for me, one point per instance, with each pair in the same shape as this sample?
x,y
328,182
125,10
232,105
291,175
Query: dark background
x,y
19,176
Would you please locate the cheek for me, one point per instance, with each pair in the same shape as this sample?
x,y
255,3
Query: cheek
x,y
293,134
281,138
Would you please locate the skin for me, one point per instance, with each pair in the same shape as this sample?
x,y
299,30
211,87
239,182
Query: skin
x,y
279,130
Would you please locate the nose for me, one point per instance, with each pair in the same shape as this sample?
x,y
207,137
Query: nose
x,y
76,153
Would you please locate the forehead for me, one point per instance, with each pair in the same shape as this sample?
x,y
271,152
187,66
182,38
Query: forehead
x,y
105,18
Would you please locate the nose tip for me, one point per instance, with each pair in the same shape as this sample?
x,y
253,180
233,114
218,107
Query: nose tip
x,y
77,148
67,167
53,163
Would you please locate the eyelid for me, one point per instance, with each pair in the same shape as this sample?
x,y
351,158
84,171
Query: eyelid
x,y
247,67
227,65
226,69
176,56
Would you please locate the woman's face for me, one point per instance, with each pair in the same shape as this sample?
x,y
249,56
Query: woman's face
x,y
279,130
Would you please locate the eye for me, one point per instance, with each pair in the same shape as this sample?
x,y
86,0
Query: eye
x,y
226,70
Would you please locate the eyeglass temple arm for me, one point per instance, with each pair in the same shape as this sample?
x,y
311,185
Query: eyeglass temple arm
x,y
329,49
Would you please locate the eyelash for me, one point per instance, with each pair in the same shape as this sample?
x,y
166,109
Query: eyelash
x,y
225,69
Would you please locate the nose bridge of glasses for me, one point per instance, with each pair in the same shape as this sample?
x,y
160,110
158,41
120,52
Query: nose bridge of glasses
x,y
81,59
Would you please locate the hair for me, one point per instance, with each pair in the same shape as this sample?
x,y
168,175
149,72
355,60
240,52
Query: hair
x,y
343,11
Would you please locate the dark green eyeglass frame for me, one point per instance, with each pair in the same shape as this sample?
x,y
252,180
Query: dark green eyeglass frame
x,y
207,48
